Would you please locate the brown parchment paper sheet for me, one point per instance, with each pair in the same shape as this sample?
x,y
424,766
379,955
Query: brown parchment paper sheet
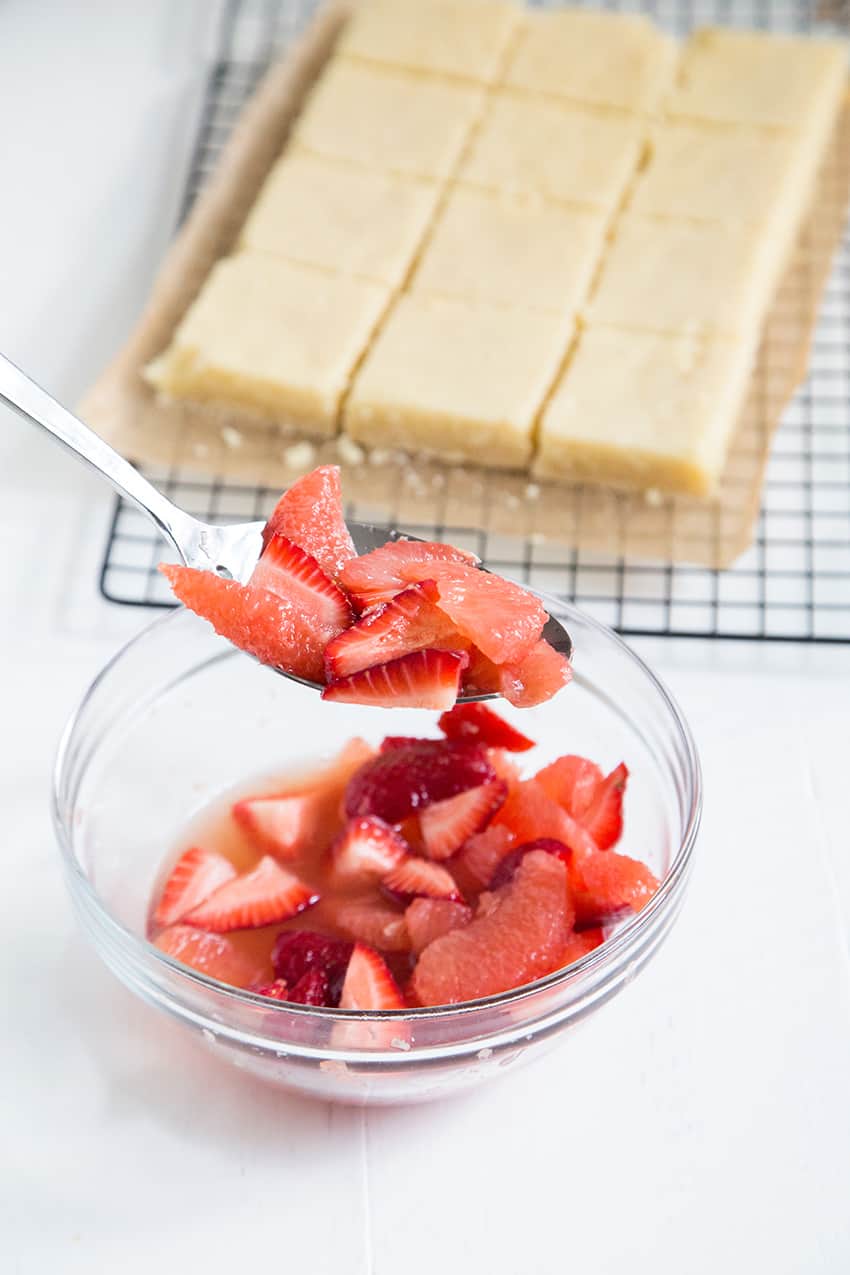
x,y
196,441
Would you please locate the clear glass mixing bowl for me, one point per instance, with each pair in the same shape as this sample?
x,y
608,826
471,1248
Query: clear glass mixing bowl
x,y
178,717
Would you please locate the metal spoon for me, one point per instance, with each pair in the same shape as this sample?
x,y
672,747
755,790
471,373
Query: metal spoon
x,y
228,550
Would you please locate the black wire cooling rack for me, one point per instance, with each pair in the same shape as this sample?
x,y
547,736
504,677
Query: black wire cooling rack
x,y
792,584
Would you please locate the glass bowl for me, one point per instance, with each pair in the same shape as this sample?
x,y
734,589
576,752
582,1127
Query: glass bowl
x,y
178,717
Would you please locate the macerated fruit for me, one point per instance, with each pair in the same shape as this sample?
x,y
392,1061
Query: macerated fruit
x,y
270,628
310,514
403,780
368,982
297,953
430,919
411,621
366,850
287,571
476,723
194,877
536,677
447,825
518,939
265,895
215,955
377,576
572,782
424,679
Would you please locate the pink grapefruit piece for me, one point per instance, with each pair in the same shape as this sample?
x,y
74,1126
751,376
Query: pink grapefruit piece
x,y
519,938
571,781
530,813
378,576
430,919
501,618
536,677
310,515
213,954
265,626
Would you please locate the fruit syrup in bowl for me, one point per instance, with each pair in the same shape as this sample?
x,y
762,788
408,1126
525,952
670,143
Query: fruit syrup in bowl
x,y
178,722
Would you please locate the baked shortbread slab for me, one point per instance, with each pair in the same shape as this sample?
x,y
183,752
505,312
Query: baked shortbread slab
x,y
639,409
603,59
511,251
682,276
278,339
350,220
458,381
567,154
388,120
466,38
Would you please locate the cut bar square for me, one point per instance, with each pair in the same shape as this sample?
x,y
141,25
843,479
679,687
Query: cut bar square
x,y
604,59
388,120
277,339
639,409
679,277
465,38
340,218
456,380
760,78
511,251
530,146
718,174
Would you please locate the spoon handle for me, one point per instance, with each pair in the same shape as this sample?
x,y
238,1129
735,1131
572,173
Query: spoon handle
x,y
20,392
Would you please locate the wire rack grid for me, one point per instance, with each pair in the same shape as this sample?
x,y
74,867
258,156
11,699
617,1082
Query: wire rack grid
x,y
794,581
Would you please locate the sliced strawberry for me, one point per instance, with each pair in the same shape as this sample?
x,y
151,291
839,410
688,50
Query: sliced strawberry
x,y
536,677
395,784
264,896
368,982
276,991
313,988
212,954
377,576
310,515
282,826
429,919
297,953
371,920
411,621
530,813
579,944
475,865
391,742
425,679
448,825
613,883
517,937
479,724
194,877
270,628
366,850
417,878
501,618
603,818
287,571
572,782
506,869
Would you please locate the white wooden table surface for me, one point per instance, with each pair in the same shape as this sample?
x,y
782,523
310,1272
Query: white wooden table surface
x,y
702,1123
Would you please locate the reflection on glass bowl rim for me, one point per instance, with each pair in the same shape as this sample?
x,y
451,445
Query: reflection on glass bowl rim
x,y
177,717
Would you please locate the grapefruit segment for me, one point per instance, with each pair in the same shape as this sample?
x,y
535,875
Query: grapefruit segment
x,y
430,919
268,627
572,782
536,677
378,576
213,954
519,938
310,514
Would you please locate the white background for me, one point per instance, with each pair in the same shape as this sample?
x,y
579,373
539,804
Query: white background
x,y
702,1123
